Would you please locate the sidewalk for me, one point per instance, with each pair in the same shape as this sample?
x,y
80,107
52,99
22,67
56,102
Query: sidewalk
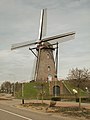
x,y
62,104
58,103
74,104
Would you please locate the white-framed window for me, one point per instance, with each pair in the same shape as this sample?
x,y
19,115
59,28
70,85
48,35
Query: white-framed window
x,y
49,68
49,77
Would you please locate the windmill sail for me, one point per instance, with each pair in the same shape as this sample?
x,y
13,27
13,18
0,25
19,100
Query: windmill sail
x,y
42,31
23,44
43,24
60,38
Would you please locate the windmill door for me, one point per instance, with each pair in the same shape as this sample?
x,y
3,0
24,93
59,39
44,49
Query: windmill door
x,y
56,90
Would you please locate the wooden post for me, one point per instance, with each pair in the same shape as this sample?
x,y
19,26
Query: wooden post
x,y
42,92
22,94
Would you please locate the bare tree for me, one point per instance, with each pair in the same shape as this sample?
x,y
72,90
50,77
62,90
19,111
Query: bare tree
x,y
79,76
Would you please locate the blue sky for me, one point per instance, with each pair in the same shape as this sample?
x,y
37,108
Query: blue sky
x,y
19,21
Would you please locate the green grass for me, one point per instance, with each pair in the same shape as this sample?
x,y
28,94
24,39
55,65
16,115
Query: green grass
x,y
71,87
33,90
30,91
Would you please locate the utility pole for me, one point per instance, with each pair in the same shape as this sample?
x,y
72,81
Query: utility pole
x,y
56,58
56,69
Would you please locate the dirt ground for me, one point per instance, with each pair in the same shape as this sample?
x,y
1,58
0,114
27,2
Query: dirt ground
x,y
68,110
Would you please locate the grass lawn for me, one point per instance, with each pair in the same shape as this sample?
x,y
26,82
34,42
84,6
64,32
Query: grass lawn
x,y
33,90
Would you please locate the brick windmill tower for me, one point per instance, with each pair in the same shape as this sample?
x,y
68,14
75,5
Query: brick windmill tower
x,y
46,64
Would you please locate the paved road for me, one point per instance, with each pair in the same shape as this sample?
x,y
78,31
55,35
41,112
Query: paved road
x,y
9,112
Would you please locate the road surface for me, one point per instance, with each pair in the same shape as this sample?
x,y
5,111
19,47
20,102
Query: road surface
x,y
8,111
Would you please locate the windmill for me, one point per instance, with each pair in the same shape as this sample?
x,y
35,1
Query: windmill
x,y
46,64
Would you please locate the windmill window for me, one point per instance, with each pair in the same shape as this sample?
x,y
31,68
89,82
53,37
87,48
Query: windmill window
x,y
49,68
49,77
48,56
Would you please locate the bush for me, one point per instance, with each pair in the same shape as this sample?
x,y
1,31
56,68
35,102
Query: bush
x,y
56,99
84,100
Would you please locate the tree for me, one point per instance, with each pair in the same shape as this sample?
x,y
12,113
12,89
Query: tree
x,y
16,87
76,74
6,87
79,76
